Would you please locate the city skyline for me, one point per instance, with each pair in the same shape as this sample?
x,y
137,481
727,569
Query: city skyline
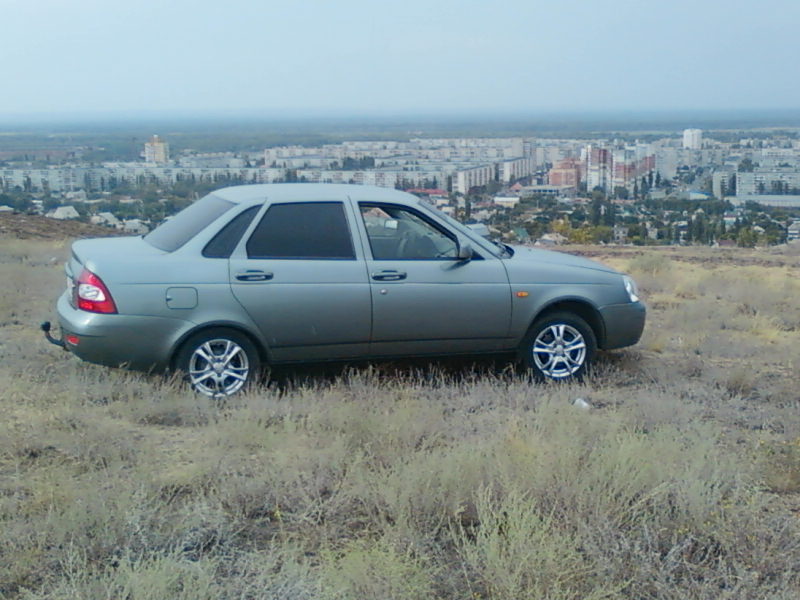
x,y
675,190
89,58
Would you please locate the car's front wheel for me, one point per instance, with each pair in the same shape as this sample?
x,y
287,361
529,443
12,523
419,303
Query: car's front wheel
x,y
559,346
219,362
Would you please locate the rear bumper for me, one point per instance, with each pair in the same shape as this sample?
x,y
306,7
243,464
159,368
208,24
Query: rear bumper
x,y
624,324
135,342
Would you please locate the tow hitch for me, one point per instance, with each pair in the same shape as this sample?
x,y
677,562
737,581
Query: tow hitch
x,y
56,342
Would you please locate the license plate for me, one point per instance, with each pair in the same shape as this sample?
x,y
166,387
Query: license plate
x,y
70,285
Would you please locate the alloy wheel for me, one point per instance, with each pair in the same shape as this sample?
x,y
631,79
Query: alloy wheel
x,y
218,368
559,351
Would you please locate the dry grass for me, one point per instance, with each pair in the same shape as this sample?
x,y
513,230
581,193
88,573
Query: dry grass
x,y
681,482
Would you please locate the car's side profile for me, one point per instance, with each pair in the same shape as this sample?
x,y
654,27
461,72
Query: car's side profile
x,y
270,274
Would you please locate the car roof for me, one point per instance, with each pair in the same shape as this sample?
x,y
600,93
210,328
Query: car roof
x,y
311,192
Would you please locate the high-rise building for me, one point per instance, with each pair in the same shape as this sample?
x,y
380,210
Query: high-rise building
x,y
156,151
630,164
621,166
598,168
693,139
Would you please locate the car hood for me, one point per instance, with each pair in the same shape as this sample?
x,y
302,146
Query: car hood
x,y
524,254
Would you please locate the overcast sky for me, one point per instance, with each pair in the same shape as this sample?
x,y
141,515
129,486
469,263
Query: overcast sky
x,y
387,57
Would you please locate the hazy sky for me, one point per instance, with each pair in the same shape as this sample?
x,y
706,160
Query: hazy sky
x,y
383,57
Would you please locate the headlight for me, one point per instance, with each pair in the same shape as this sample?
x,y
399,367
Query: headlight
x,y
630,287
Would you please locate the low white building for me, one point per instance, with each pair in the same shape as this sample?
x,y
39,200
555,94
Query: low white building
x,y
506,201
63,212
793,232
483,214
549,190
135,226
76,196
551,239
106,218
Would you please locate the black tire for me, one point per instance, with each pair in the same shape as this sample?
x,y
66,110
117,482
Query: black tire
x,y
219,362
566,347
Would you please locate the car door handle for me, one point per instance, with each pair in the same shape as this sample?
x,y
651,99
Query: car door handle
x,y
388,275
253,275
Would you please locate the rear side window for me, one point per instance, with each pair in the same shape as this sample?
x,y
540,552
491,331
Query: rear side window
x,y
172,234
312,230
222,244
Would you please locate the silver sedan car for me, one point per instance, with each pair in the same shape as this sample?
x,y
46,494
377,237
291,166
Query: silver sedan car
x,y
259,275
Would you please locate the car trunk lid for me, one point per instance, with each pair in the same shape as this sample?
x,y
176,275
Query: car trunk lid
x,y
94,253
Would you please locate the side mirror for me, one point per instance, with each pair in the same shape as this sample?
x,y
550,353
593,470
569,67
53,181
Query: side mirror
x,y
465,252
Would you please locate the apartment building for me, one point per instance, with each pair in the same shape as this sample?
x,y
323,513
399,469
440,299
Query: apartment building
x,y
466,179
723,182
693,139
156,151
515,168
780,181
631,163
599,165
565,172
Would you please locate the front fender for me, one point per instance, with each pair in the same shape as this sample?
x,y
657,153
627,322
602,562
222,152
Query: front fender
x,y
541,299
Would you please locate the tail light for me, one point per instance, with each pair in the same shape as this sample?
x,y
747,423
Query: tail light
x,y
91,294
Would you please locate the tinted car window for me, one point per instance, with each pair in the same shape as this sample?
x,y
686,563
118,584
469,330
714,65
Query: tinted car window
x,y
222,244
481,241
399,234
172,234
304,230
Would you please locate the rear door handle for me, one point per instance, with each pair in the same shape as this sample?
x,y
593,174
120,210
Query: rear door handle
x,y
388,275
253,275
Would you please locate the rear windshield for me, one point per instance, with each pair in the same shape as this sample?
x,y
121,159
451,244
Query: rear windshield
x,y
174,233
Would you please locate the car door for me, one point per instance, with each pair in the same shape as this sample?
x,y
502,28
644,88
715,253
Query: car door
x,y
424,298
304,282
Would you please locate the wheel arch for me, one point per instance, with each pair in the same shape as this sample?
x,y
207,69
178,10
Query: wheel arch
x,y
261,348
579,307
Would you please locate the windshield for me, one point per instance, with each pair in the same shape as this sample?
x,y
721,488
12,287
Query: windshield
x,y
464,230
174,233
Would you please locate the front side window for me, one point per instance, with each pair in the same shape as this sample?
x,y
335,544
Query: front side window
x,y
396,233
310,230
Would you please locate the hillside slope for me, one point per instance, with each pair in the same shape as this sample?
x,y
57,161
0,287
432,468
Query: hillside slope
x,y
37,227
403,481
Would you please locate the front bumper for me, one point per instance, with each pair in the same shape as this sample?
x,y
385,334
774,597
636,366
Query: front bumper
x,y
136,342
624,324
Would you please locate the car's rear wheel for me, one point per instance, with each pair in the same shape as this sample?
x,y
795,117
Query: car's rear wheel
x,y
559,346
219,362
